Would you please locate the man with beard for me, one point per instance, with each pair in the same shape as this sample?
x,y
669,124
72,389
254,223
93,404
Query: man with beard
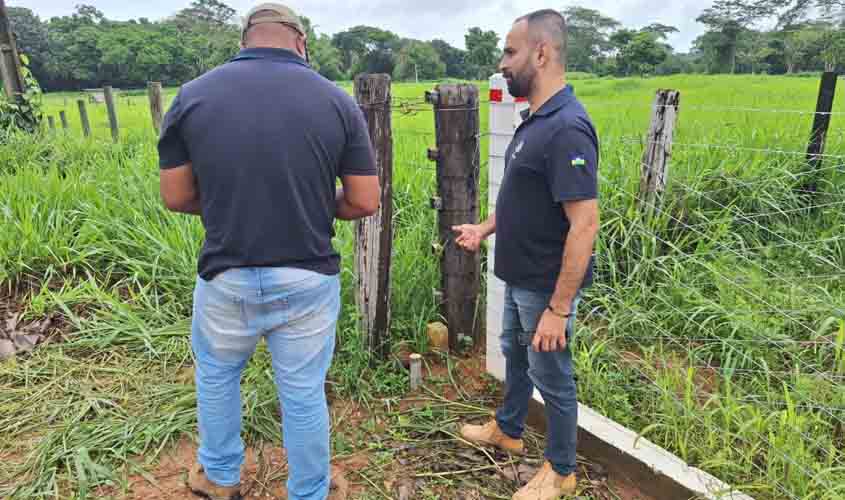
x,y
546,222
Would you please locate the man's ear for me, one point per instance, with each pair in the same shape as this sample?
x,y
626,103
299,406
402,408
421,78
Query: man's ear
x,y
542,54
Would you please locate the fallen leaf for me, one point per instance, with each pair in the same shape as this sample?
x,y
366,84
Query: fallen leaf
x,y
7,349
12,322
406,490
26,343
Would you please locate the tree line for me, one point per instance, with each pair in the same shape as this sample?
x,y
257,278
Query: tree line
x,y
86,49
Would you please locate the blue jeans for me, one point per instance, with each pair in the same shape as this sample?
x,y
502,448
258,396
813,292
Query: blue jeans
x,y
550,372
296,312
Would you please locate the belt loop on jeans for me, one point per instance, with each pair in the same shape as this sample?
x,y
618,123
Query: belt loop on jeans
x,y
258,274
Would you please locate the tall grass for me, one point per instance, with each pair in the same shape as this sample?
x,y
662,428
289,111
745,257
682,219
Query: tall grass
x,y
716,326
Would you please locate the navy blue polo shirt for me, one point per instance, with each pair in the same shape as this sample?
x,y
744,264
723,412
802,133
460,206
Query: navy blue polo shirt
x,y
267,137
553,158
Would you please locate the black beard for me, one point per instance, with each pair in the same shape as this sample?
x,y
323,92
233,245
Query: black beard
x,y
520,85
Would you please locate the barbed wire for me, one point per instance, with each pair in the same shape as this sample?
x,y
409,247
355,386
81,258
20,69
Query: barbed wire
x,y
733,282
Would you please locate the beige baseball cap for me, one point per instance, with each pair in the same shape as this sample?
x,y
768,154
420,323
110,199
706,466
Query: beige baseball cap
x,y
283,15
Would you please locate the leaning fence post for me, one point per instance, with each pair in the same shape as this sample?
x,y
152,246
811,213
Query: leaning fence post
x,y
156,105
456,119
374,234
63,118
658,148
83,117
818,136
110,105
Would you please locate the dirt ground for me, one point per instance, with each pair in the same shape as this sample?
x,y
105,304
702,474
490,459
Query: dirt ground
x,y
398,451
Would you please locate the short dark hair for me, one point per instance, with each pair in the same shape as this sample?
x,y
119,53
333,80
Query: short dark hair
x,y
549,25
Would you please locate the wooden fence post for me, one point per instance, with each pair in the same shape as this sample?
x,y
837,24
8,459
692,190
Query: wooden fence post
x,y
10,64
374,234
63,118
83,117
156,105
456,119
110,105
51,122
658,148
818,136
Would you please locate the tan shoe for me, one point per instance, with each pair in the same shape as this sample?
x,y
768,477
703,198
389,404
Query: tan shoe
x,y
547,485
200,485
490,434
339,486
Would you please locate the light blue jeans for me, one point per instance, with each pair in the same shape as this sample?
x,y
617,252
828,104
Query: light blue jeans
x,y
296,311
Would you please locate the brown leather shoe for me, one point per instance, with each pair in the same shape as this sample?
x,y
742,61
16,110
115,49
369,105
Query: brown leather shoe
x,y
200,485
339,486
490,434
547,485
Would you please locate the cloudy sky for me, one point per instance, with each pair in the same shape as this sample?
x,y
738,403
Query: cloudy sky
x,y
446,19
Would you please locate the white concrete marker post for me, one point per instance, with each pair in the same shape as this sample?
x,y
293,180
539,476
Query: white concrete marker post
x,y
651,459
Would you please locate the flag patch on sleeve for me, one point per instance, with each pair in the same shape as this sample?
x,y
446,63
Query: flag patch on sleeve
x,y
577,160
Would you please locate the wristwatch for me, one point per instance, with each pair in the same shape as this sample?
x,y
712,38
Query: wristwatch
x,y
559,315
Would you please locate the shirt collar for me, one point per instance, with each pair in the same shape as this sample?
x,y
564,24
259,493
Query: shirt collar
x,y
279,55
553,104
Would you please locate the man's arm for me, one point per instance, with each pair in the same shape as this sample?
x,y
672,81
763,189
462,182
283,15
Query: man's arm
x,y
470,236
359,197
179,190
583,227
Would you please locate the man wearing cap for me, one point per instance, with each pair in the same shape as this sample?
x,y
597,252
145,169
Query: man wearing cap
x,y
546,222
255,147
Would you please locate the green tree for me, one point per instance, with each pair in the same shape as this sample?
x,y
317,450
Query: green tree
x,y
726,20
588,37
32,39
366,49
642,54
419,60
482,59
452,57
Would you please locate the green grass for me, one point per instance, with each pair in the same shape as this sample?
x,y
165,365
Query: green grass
x,y
704,330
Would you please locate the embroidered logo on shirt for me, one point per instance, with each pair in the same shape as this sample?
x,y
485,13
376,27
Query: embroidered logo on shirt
x,y
517,149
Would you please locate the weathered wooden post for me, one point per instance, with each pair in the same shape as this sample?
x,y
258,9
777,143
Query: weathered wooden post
x,y
818,136
658,149
51,122
456,119
83,117
10,64
374,234
110,106
156,105
63,119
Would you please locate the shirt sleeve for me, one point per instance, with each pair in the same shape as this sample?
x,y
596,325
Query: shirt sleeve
x,y
172,152
358,156
572,163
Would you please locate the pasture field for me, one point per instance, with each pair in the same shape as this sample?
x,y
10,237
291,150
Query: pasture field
x,y
716,327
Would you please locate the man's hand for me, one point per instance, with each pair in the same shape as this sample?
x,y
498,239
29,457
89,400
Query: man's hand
x,y
469,236
551,333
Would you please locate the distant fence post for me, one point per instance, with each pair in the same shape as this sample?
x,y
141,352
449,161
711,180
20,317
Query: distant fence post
x,y
51,122
63,118
456,118
110,105
374,234
83,117
818,136
156,105
658,148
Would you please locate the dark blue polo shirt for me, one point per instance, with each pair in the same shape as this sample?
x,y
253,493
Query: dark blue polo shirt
x,y
267,137
553,158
